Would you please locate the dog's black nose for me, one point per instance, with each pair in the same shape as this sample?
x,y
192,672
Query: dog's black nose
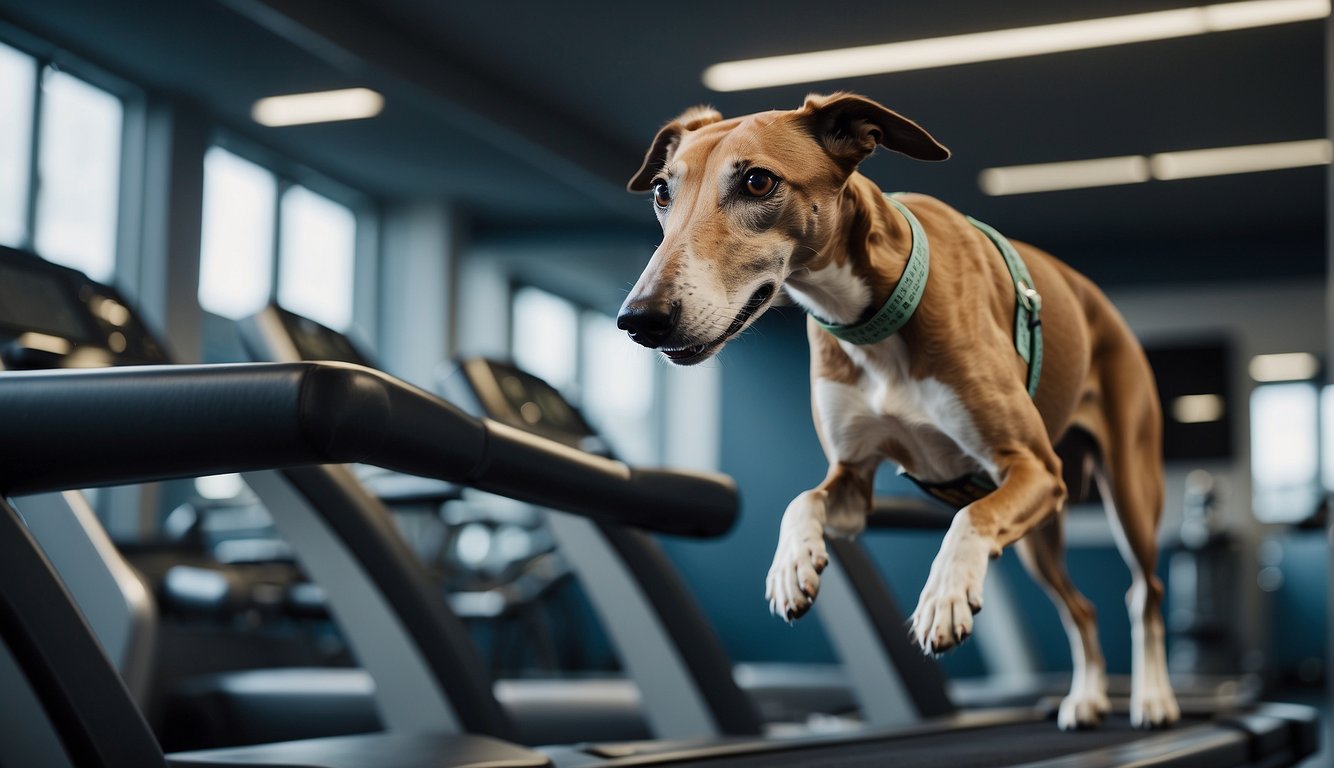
x,y
649,322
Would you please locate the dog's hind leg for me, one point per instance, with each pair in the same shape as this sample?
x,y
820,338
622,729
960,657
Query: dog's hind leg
x,y
841,504
1042,552
1131,482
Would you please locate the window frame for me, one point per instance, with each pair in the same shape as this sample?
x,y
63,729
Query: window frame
x,y
287,174
133,100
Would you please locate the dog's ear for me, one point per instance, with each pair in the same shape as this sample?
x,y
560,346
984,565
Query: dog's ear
x,y
664,144
850,126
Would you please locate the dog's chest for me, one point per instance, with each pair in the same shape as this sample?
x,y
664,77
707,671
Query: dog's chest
x,y
919,423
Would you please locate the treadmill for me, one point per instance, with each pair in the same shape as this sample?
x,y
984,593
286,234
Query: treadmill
x,y
420,657
634,587
86,428
894,683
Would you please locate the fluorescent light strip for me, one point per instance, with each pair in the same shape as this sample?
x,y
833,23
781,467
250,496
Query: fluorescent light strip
x,y
1288,366
1197,409
1164,166
1225,160
319,107
1107,171
1007,43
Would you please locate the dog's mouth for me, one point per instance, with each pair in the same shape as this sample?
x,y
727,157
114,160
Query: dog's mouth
x,y
698,352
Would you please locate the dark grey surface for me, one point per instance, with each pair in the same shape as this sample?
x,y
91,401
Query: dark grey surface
x,y
381,750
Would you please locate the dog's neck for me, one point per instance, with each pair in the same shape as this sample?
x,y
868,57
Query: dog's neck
x,y
854,273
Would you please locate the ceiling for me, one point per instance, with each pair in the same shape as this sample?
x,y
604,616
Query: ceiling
x,y
530,117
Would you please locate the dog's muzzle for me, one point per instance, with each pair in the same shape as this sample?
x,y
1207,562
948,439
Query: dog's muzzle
x,y
653,326
649,322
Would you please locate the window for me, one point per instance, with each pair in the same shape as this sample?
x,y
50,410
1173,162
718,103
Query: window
x,y
583,354
1327,438
236,255
319,240
18,79
79,167
617,377
1284,451
264,238
68,211
545,334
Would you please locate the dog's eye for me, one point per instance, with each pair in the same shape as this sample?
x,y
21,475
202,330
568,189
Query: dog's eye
x,y
759,183
661,197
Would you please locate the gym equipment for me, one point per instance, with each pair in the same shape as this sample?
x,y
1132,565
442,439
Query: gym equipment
x,y
223,708
645,606
140,424
899,684
152,423
686,682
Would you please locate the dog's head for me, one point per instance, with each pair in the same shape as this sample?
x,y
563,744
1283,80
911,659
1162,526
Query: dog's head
x,y
743,203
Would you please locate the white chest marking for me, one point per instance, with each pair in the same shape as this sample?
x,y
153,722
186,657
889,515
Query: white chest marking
x,y
924,416
834,294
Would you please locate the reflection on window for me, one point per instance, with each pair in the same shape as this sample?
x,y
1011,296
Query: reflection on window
x,y
79,167
1284,451
545,336
236,250
18,75
316,260
618,393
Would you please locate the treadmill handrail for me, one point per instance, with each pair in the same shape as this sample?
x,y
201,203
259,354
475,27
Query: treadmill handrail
x,y
66,429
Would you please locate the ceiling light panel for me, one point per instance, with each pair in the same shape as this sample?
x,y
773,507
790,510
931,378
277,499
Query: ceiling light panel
x,y
319,107
1164,166
1197,409
1287,366
1249,159
1007,43
1044,177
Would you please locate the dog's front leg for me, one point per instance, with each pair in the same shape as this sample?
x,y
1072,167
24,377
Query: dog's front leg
x,y
840,505
1030,490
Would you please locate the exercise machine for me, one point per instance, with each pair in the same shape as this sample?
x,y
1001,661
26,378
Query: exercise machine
x,y
141,424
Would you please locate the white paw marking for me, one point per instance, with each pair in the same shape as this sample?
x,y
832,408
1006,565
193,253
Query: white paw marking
x,y
794,577
1084,709
1087,703
1155,706
953,591
1152,703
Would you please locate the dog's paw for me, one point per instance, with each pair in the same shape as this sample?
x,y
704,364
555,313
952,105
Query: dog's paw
x,y
1155,707
1082,710
953,591
1087,703
794,577
944,615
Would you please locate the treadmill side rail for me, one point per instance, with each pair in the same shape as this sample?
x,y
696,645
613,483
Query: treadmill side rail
x,y
211,419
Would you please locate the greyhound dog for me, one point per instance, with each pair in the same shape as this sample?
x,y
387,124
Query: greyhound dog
x,y
993,374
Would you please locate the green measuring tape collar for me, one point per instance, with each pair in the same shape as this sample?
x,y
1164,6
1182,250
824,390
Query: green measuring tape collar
x,y
902,301
905,297
1027,307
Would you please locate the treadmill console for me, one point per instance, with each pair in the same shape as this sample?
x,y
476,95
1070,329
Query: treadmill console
x,y
55,317
512,396
275,334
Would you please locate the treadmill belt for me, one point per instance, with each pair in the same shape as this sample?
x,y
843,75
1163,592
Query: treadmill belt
x,y
984,747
